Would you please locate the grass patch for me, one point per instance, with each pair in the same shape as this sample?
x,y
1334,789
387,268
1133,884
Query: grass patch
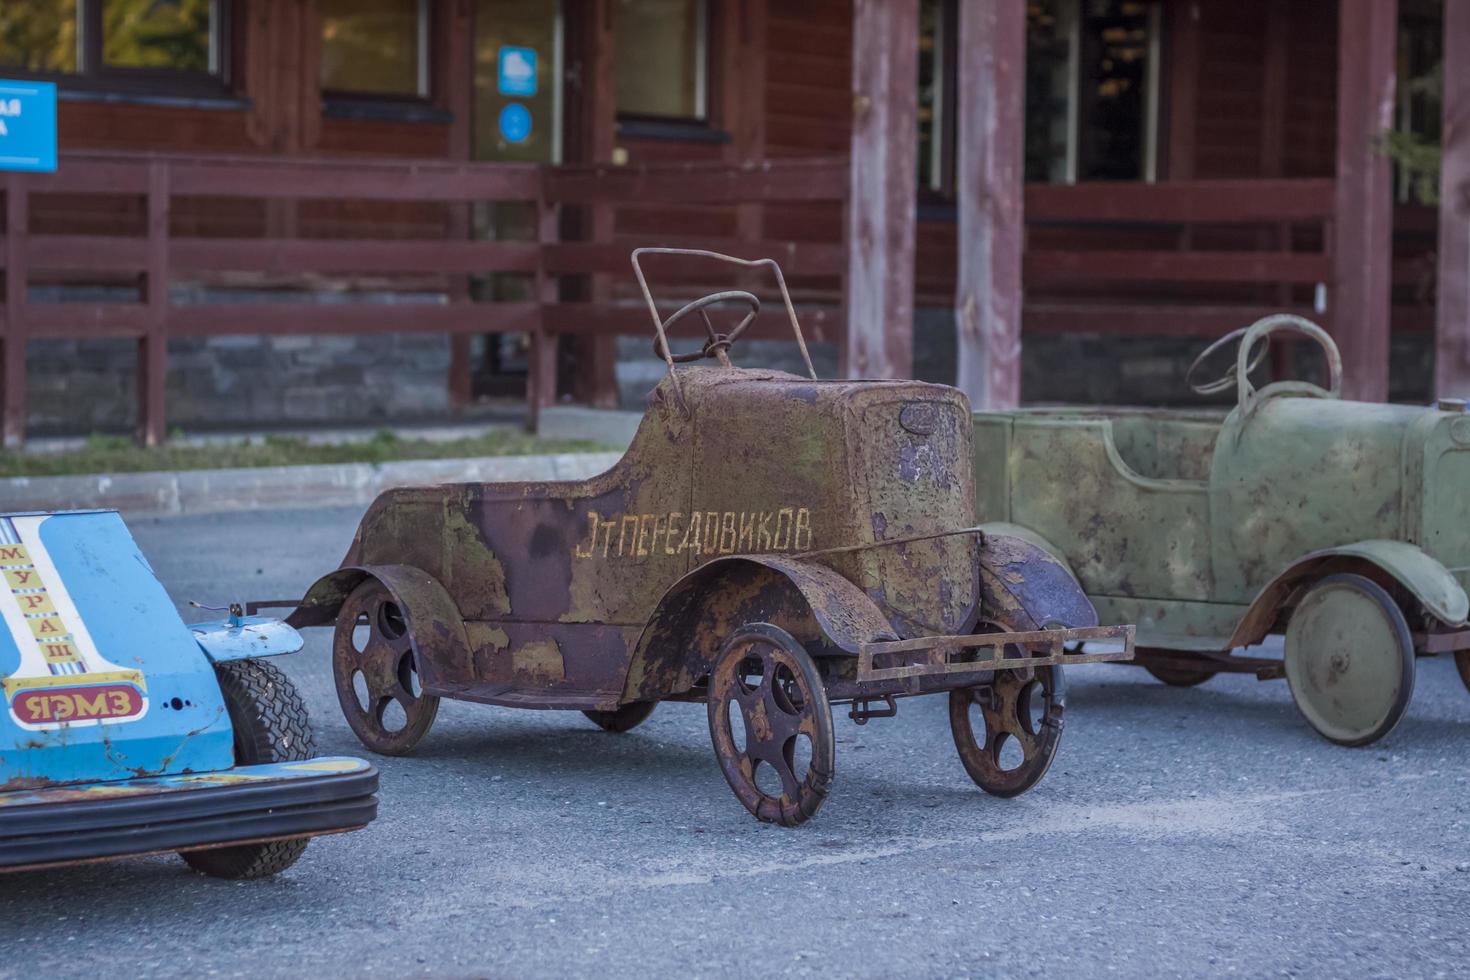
x,y
119,454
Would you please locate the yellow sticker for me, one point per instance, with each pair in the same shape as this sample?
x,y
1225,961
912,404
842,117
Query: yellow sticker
x,y
22,578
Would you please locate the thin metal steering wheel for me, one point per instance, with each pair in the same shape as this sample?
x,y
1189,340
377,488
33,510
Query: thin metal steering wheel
x,y
718,343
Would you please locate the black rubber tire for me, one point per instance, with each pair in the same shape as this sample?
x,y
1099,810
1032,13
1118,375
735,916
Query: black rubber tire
x,y
624,718
271,725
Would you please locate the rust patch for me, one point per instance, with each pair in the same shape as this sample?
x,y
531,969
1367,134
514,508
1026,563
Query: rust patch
x,y
539,663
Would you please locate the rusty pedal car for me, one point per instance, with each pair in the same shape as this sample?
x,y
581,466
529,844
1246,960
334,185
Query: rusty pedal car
x,y
1344,525
769,544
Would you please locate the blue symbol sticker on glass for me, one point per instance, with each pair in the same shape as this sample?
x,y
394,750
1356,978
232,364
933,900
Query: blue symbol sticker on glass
x,y
515,122
517,74
27,125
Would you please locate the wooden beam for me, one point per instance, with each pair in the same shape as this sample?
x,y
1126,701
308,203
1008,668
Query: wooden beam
x,y
1363,241
988,190
152,426
1452,340
881,202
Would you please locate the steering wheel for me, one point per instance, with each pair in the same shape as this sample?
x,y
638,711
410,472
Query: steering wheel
x,y
1248,397
718,343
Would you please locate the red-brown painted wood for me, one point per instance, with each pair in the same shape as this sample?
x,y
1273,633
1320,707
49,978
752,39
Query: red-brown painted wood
x,y
1363,243
988,187
13,341
1182,51
152,381
881,202
1452,344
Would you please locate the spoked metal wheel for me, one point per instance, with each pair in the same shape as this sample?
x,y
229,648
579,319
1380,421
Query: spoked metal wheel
x,y
377,677
1349,660
1007,731
771,724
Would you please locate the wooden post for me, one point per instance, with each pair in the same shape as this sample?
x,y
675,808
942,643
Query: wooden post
x,y
881,201
456,79
1367,42
541,366
1452,313
153,345
990,202
13,345
595,380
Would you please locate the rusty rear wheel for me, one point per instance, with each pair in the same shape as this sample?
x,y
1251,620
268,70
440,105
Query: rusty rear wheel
x,y
771,724
373,663
1007,731
624,718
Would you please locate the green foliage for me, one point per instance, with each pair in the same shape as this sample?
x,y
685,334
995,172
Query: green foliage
x,y
1416,155
38,35
119,454
1418,160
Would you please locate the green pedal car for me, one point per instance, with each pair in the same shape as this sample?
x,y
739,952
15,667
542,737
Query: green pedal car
x,y
1344,525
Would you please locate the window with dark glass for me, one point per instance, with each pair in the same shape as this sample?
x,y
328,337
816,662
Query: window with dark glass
x,y
1113,116
661,57
937,24
161,44
375,47
1091,89
39,37
1414,144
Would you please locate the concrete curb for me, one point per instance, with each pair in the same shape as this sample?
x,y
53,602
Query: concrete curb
x,y
263,488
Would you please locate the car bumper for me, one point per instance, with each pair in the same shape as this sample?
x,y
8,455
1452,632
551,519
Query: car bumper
x,y
930,656
92,821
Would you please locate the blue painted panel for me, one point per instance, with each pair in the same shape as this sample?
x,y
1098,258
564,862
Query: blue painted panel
x,y
256,636
516,71
27,125
270,772
102,680
515,123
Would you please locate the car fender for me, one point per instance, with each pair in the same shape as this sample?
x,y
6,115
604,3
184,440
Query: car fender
x,y
679,643
440,644
255,636
1026,585
1422,576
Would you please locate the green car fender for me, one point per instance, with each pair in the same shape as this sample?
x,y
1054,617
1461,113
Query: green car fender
x,y
1433,585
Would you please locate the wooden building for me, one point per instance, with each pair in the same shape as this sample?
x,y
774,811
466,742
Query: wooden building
x,y
1124,168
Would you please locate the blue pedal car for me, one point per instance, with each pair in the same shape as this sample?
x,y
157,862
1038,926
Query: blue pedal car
x,y
125,732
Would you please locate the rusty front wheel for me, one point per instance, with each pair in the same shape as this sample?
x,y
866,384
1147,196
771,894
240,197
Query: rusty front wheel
x,y
771,724
1007,731
374,665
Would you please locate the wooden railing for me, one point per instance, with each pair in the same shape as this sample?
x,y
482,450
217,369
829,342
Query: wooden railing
x,y
1193,258
1183,259
173,236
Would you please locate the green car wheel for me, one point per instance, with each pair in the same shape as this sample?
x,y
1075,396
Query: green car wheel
x,y
1349,660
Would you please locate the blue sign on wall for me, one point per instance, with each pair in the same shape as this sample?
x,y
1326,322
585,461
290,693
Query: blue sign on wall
x,y
27,125
515,122
517,71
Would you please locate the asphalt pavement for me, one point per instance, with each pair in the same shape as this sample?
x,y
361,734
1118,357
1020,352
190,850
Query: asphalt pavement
x,y
1180,832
